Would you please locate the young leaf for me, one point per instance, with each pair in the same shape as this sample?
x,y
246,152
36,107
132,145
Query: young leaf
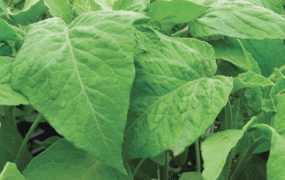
x,y
63,161
31,12
175,97
82,82
238,19
61,9
10,172
250,79
170,13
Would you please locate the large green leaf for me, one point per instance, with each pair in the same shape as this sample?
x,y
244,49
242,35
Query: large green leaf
x,y
238,19
63,161
170,13
216,149
10,172
175,97
61,9
10,142
80,76
31,12
8,32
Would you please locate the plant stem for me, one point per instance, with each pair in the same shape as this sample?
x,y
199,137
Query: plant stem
x,y
245,158
27,137
138,166
9,116
163,170
197,151
181,33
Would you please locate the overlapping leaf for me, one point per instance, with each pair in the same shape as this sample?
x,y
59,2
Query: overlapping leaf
x,y
232,50
238,19
63,161
275,163
8,32
269,54
250,79
216,149
61,9
81,84
175,97
31,12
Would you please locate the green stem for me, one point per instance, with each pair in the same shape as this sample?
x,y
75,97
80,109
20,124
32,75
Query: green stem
x,y
181,33
245,157
198,161
27,137
138,166
163,170
9,116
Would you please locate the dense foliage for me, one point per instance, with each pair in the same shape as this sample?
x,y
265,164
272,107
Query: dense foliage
x,y
129,82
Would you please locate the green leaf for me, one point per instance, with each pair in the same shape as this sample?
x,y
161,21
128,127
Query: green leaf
x,y
254,169
250,79
5,50
81,84
3,7
159,159
191,176
105,4
170,13
131,5
232,50
31,12
269,54
175,97
238,19
10,141
278,118
84,6
10,172
10,97
217,147
275,163
63,161
61,9
274,5
8,32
